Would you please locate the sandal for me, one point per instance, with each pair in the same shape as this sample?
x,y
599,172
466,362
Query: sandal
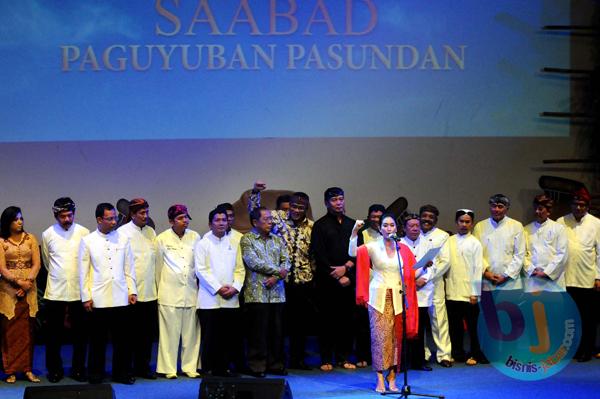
x,y
471,361
391,380
32,377
326,367
361,364
11,379
348,366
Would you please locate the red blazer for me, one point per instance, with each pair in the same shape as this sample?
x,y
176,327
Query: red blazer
x,y
363,268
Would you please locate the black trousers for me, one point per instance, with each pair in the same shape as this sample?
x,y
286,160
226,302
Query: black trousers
x,y
115,321
584,299
336,314
457,312
416,347
144,316
220,338
63,317
265,336
300,311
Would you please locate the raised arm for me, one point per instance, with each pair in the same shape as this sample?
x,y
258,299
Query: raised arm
x,y
254,198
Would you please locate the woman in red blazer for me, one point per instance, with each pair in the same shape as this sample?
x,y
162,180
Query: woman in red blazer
x,y
379,283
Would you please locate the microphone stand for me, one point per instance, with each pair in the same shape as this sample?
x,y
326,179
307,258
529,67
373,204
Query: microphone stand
x,y
405,391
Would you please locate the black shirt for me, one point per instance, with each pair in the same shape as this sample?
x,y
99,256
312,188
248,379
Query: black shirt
x,y
329,243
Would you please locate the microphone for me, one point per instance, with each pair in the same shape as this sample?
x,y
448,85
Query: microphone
x,y
394,237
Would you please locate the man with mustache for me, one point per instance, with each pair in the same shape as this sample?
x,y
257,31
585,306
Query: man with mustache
x,y
428,215
582,273
177,296
144,313
295,228
503,242
60,250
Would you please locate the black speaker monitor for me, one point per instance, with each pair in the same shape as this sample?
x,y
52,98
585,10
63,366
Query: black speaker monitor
x,y
244,388
96,391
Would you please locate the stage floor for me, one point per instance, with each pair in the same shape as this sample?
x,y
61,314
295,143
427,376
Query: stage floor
x,y
580,380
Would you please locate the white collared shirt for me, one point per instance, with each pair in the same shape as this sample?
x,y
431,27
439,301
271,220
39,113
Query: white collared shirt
x,y
436,237
143,247
464,256
175,273
232,232
218,261
60,254
503,250
546,248
583,264
419,247
107,275
384,275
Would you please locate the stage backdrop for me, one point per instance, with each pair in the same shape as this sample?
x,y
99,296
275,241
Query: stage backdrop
x,y
190,101
141,69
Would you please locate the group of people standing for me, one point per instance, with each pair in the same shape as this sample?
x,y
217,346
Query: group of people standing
x,y
370,284
444,289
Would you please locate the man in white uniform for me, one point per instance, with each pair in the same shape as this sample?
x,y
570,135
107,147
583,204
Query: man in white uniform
x,y
142,239
428,215
546,249
419,247
503,245
177,296
464,256
582,273
230,220
108,286
220,271
60,252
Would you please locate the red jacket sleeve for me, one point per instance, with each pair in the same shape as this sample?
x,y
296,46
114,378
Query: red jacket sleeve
x,y
363,271
412,305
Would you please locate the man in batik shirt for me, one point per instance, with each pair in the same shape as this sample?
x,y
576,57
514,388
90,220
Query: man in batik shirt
x,y
267,265
295,229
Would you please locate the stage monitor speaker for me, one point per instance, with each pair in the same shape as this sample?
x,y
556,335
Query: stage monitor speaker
x,y
244,388
95,391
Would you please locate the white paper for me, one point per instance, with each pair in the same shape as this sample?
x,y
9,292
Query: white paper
x,y
428,257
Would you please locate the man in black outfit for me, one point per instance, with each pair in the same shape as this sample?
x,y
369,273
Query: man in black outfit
x,y
334,278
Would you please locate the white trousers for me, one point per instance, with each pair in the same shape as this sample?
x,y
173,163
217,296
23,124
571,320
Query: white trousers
x,y
175,324
439,322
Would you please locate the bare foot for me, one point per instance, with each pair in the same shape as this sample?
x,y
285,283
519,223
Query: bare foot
x,y
326,367
32,377
380,387
391,379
